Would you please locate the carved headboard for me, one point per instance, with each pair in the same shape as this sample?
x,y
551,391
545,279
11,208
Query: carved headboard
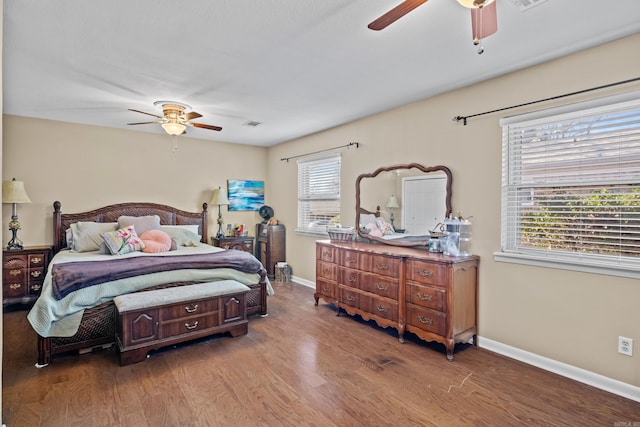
x,y
168,216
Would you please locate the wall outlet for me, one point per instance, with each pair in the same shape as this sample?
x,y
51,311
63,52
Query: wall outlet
x,y
625,346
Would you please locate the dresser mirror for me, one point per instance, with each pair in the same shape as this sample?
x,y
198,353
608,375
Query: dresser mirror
x,y
413,198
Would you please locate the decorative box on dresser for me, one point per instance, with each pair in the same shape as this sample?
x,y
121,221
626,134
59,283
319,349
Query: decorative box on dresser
x,y
240,243
23,272
270,246
431,295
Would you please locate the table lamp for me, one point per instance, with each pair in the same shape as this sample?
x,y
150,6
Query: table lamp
x,y
392,204
219,198
13,192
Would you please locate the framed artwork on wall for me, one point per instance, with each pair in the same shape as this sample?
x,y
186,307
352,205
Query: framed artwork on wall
x,y
245,195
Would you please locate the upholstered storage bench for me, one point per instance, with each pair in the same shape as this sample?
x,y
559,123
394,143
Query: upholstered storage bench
x,y
154,319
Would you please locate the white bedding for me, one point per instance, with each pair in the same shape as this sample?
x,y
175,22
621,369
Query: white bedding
x,y
50,317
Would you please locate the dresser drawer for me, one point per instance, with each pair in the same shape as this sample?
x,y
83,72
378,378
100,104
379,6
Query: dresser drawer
x,y
427,296
383,307
355,259
326,289
380,285
13,288
427,319
353,298
37,260
326,270
189,309
385,266
325,253
350,278
425,272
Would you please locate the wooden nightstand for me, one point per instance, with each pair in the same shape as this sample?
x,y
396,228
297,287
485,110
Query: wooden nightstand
x,y
23,272
239,243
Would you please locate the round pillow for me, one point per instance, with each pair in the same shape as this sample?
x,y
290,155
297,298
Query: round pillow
x,y
155,241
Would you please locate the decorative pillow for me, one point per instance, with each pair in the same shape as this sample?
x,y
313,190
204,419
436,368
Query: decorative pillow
x,y
366,219
373,229
123,241
182,236
155,241
385,227
191,227
86,236
141,223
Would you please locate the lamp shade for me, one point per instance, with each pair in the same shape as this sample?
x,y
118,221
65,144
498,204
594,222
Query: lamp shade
x,y
173,128
474,4
392,202
219,197
14,192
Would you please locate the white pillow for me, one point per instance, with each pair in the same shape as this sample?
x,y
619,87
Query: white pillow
x,y
87,235
366,219
182,234
191,227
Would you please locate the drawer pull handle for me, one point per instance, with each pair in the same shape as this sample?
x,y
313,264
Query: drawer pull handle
x,y
190,327
382,266
36,273
326,289
191,308
349,259
15,272
327,271
226,246
351,298
381,308
424,297
351,279
425,273
15,286
425,320
381,287
36,260
36,288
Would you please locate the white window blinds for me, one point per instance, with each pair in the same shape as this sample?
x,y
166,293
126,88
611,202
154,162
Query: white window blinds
x,y
318,193
571,186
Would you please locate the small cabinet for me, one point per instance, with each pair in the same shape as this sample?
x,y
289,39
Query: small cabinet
x,y
23,272
270,246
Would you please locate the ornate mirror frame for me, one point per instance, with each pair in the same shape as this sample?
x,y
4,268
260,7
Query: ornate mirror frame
x,y
425,169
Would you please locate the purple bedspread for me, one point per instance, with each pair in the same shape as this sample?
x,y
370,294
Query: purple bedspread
x,y
71,276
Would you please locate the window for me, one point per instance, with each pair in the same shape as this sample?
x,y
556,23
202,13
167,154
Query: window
x,y
318,193
571,187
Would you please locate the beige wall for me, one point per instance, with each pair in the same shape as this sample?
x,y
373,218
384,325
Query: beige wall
x,y
570,317
85,167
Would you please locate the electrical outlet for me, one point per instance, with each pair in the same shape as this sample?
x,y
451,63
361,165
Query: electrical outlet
x,y
625,346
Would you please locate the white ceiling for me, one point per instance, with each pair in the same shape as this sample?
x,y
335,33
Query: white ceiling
x,y
296,66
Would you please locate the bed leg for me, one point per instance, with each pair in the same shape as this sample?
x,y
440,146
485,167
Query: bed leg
x,y
44,352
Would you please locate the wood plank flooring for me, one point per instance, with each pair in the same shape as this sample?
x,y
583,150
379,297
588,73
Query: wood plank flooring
x,y
300,366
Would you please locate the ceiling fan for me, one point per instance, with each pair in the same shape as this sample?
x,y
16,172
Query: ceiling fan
x,y
175,119
484,21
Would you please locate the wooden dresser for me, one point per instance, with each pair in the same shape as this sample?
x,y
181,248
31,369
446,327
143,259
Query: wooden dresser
x,y
430,295
23,272
270,246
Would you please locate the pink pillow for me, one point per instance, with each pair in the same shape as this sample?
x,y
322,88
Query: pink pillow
x,y
373,230
155,241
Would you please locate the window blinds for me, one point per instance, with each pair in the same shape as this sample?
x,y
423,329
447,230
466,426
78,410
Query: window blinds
x,y
318,192
571,185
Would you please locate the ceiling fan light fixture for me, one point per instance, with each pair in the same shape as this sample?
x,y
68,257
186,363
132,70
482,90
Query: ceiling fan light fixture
x,y
475,4
173,128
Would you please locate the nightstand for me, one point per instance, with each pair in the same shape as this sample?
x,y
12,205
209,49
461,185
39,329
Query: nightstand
x,y
23,272
240,243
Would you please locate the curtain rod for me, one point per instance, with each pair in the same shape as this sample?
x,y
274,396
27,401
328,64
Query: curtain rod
x,y
357,144
464,118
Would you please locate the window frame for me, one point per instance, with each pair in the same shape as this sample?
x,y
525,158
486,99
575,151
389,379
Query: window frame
x,y
510,250
305,196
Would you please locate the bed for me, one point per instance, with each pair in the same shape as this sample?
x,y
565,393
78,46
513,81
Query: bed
x,y
88,322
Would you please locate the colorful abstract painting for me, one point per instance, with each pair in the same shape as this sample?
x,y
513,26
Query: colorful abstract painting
x,y
245,195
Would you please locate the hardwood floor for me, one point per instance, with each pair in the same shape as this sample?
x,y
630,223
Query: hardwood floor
x,y
300,366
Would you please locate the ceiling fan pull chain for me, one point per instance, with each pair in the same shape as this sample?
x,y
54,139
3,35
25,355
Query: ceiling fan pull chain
x,y
175,143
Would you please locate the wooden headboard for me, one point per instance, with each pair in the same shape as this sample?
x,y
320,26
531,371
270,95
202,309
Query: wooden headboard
x,y
168,216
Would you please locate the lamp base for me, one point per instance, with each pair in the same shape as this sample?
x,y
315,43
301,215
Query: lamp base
x,y
14,244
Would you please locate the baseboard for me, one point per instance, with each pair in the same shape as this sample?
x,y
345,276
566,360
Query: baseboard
x,y
578,374
304,282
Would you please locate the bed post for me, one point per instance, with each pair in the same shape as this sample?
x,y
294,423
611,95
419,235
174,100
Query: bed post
x,y
44,352
205,235
57,227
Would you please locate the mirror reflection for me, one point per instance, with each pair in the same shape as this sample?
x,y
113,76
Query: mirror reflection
x,y
399,205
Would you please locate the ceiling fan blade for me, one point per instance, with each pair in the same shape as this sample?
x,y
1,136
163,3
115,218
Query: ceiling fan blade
x,y
192,115
484,21
148,114
143,123
203,126
394,14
